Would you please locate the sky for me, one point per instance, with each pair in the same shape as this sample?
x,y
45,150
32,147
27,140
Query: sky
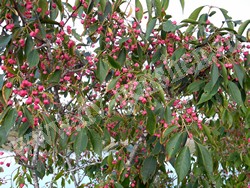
x,y
238,10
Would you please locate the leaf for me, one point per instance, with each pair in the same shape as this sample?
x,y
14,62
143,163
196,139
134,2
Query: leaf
x,y
209,91
178,53
169,130
59,175
29,45
174,144
96,141
183,163
194,15
149,7
158,8
182,4
165,4
43,4
6,93
215,74
29,115
103,4
54,77
151,122
235,93
102,71
4,41
227,18
189,21
240,73
168,26
122,56
81,142
168,114
40,169
1,81
243,27
33,58
138,14
7,123
196,86
150,27
205,159
112,83
148,168
118,185
114,63
59,5
23,128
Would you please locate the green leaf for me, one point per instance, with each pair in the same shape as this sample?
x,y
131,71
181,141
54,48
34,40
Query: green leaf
x,y
33,58
205,159
102,71
243,27
151,122
103,4
59,5
191,21
7,123
149,7
4,41
81,142
29,45
59,175
150,27
122,56
168,26
240,73
96,141
165,4
169,130
28,114
54,77
227,18
158,8
23,128
112,83
118,185
174,144
183,163
194,15
148,168
43,4
215,74
196,86
6,93
168,114
1,81
40,169
209,91
138,14
178,53
235,93
114,63
182,4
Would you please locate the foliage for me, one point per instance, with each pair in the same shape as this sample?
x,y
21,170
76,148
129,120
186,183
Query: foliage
x,y
131,93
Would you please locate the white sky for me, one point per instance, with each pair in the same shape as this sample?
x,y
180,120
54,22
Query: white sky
x,y
238,9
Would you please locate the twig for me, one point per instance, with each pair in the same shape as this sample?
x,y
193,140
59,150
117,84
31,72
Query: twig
x,y
71,172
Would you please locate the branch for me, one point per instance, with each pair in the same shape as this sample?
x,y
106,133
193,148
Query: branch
x,y
34,163
132,154
71,172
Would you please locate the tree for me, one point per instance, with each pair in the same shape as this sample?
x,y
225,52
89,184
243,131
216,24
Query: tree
x,y
133,92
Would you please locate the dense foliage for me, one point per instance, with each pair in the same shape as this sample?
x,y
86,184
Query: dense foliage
x,y
116,91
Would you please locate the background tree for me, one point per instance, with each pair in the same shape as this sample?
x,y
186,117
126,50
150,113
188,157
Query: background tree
x,y
131,93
